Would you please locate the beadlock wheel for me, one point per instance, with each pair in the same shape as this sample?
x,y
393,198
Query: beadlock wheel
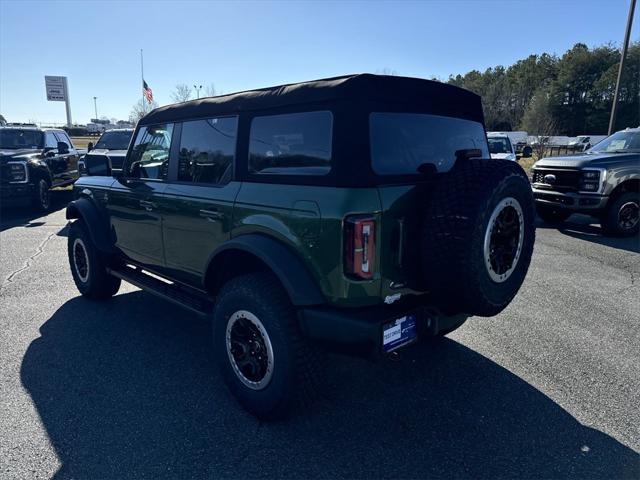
x,y
81,259
503,239
249,350
628,216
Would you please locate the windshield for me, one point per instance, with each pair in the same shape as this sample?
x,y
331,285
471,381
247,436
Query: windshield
x,y
620,142
499,145
114,140
17,139
402,142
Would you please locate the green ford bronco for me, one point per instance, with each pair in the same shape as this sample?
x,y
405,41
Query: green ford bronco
x,y
356,214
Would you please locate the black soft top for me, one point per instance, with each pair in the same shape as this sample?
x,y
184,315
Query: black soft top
x,y
351,99
416,94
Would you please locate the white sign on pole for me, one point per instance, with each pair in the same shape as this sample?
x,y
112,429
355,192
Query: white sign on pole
x,y
58,91
56,88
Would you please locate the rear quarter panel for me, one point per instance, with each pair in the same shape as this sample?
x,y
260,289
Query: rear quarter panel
x,y
308,219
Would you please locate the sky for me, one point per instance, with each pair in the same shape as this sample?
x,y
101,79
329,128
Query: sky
x,y
242,45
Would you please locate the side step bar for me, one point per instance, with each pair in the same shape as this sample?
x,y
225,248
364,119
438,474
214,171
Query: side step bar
x,y
186,297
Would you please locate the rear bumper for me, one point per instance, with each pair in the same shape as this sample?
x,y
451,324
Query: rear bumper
x,y
359,331
575,202
16,194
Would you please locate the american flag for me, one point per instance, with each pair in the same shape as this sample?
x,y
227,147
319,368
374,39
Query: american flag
x,y
146,91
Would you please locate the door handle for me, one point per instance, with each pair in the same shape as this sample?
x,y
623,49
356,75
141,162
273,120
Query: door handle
x,y
211,215
148,206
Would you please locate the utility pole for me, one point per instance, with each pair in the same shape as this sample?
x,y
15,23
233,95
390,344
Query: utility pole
x,y
95,106
625,47
197,88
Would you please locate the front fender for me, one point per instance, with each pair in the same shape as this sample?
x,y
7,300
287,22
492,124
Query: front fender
x,y
98,228
283,262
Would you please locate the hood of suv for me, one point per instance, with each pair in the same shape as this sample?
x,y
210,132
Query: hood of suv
x,y
588,160
9,155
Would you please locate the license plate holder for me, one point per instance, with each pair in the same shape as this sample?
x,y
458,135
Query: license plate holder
x,y
399,332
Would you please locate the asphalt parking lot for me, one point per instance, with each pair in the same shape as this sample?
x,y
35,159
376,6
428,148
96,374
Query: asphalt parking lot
x,y
126,388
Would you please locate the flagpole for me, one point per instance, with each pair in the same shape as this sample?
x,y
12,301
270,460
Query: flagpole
x,y
142,77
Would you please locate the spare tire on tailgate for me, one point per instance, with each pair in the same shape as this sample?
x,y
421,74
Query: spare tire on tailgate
x,y
478,235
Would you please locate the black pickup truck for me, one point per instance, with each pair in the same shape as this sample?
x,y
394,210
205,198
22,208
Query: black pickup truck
x,y
32,161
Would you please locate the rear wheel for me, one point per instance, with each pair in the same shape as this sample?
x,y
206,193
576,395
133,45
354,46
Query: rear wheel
x,y
478,237
551,214
622,216
89,265
265,361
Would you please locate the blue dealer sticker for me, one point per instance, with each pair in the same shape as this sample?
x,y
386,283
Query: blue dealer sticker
x,y
398,332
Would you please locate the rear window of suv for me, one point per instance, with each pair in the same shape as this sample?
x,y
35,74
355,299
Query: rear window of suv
x,y
401,142
291,144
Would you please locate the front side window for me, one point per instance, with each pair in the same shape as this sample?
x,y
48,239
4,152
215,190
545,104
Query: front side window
x,y
62,137
207,149
291,144
150,154
50,141
401,143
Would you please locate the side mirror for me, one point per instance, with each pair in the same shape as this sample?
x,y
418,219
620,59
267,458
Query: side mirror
x,y
97,165
134,170
63,148
89,146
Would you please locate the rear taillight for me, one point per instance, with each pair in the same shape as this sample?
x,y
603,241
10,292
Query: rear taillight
x,y
359,246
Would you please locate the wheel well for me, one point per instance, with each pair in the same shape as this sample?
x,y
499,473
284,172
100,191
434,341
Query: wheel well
x,y
632,185
230,264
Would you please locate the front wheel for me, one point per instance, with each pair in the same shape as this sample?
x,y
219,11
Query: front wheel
x,y
259,349
89,265
622,216
41,198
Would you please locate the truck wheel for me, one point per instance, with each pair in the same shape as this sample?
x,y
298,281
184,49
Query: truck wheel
x,y
478,235
263,358
41,199
89,265
527,151
622,216
552,215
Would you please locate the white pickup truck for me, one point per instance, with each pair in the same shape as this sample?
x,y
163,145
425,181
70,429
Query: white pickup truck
x,y
500,146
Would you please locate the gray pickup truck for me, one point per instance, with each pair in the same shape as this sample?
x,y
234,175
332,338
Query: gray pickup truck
x,y
603,182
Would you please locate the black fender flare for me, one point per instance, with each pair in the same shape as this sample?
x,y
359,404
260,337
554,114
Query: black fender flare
x,y
285,264
87,211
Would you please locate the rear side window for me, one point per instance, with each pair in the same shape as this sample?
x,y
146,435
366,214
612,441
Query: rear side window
x,y
150,155
207,149
402,142
291,144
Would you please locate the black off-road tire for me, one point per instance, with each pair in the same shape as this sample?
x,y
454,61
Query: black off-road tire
x,y
41,196
527,152
298,367
454,265
552,215
611,221
89,265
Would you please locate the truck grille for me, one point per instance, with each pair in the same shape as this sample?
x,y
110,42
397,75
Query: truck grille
x,y
566,179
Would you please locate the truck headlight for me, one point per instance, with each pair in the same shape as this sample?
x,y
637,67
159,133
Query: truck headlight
x,y
592,180
17,172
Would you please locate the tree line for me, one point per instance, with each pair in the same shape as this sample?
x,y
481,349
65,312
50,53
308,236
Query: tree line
x,y
567,95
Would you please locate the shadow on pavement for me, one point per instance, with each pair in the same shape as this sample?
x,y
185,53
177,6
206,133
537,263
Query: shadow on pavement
x,y
127,389
586,228
24,216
